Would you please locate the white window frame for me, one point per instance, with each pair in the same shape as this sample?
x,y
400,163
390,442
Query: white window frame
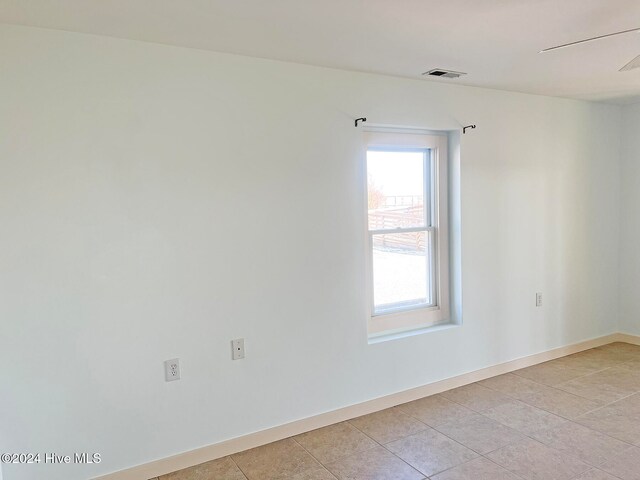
x,y
422,316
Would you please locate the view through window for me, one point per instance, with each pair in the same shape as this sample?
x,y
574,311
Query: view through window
x,y
398,194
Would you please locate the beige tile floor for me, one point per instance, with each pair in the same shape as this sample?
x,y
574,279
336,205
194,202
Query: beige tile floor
x,y
577,417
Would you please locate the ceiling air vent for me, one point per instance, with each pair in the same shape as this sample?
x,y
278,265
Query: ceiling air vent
x,y
440,72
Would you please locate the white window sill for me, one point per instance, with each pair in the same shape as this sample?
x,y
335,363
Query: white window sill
x,y
385,337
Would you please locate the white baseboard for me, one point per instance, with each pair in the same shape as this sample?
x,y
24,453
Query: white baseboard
x,y
235,445
628,338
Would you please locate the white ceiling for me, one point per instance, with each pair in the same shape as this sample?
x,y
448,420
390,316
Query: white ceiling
x,y
495,41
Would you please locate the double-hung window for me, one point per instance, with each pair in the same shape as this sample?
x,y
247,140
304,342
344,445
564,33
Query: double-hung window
x,y
408,264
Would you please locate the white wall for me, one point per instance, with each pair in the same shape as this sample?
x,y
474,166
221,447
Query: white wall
x,y
157,202
630,222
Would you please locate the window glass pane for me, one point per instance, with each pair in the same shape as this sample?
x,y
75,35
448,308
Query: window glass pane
x,y
401,266
395,188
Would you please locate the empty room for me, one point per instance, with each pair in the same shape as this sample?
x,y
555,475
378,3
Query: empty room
x,y
319,240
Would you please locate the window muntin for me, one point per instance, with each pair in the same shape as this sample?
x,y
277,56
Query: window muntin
x,y
402,271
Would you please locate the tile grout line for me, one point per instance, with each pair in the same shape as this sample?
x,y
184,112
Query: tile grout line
x,y
483,455
238,466
526,436
589,467
512,473
600,349
608,404
557,389
245,475
483,414
378,444
572,420
559,426
384,445
435,428
368,436
438,431
480,455
570,368
313,456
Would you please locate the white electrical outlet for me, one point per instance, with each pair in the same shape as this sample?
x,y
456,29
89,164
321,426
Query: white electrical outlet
x,y
539,299
172,370
237,349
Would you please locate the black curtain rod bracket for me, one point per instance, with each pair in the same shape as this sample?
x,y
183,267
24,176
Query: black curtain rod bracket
x,y
464,129
361,119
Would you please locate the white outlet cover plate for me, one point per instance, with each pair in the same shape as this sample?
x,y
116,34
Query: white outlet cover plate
x,y
172,369
237,349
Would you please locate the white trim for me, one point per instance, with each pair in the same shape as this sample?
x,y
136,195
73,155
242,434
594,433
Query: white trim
x,y
436,223
404,130
401,230
235,445
628,338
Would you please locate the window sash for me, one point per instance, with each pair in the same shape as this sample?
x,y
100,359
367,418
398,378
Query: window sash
x,y
432,290
427,176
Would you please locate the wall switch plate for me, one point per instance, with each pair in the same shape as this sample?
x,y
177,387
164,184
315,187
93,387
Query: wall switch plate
x,y
172,370
539,299
237,349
